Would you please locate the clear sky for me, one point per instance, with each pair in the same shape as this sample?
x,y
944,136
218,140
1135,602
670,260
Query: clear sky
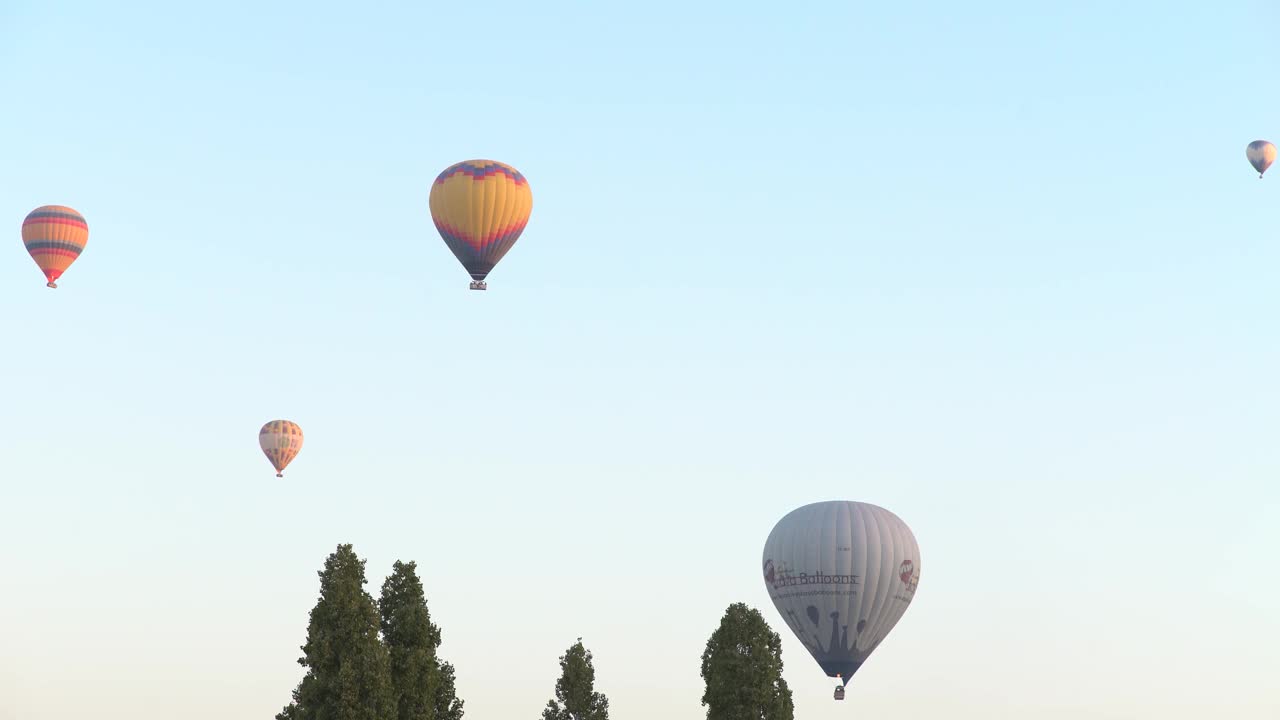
x,y
1001,269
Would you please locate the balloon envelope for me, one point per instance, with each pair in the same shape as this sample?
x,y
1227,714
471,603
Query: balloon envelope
x,y
1261,154
54,235
281,441
480,208
841,574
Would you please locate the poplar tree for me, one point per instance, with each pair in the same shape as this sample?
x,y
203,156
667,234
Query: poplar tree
x,y
576,698
348,668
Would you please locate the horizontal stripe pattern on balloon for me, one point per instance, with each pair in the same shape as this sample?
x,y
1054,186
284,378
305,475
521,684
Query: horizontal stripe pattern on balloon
x,y
479,170
54,236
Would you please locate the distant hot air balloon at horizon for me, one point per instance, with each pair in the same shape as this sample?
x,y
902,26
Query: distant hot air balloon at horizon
x,y
281,441
54,235
1261,154
480,208
841,574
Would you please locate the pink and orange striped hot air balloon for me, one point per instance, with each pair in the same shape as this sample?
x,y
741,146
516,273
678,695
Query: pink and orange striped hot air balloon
x,y
480,208
281,441
55,235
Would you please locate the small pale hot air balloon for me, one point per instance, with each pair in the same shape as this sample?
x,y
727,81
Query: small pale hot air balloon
x,y
281,440
841,574
480,208
1261,154
55,235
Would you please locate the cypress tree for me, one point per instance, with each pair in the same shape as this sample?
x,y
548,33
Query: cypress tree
x,y
348,668
448,706
423,687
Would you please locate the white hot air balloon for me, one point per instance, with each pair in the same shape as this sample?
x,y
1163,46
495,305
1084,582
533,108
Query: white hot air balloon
x,y
841,574
281,441
1261,154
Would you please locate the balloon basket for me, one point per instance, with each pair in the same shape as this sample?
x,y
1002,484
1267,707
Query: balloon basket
x,y
479,285
53,285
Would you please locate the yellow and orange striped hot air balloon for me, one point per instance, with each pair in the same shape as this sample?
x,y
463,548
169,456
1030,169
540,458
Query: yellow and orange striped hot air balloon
x,y
480,208
55,235
281,440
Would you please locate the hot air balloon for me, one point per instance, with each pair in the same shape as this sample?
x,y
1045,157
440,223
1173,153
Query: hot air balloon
x,y
841,574
1261,154
55,235
480,208
281,440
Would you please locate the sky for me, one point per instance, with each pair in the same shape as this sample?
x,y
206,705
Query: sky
x,y
999,267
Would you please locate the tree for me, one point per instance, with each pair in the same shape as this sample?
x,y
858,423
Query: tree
x,y
448,706
348,668
411,640
421,687
742,667
576,698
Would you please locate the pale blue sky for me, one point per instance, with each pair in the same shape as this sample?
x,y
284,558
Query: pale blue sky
x,y
1003,270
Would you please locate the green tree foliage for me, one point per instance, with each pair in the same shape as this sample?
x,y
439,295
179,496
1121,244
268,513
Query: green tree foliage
x,y
411,640
422,688
348,668
576,698
448,706
742,667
